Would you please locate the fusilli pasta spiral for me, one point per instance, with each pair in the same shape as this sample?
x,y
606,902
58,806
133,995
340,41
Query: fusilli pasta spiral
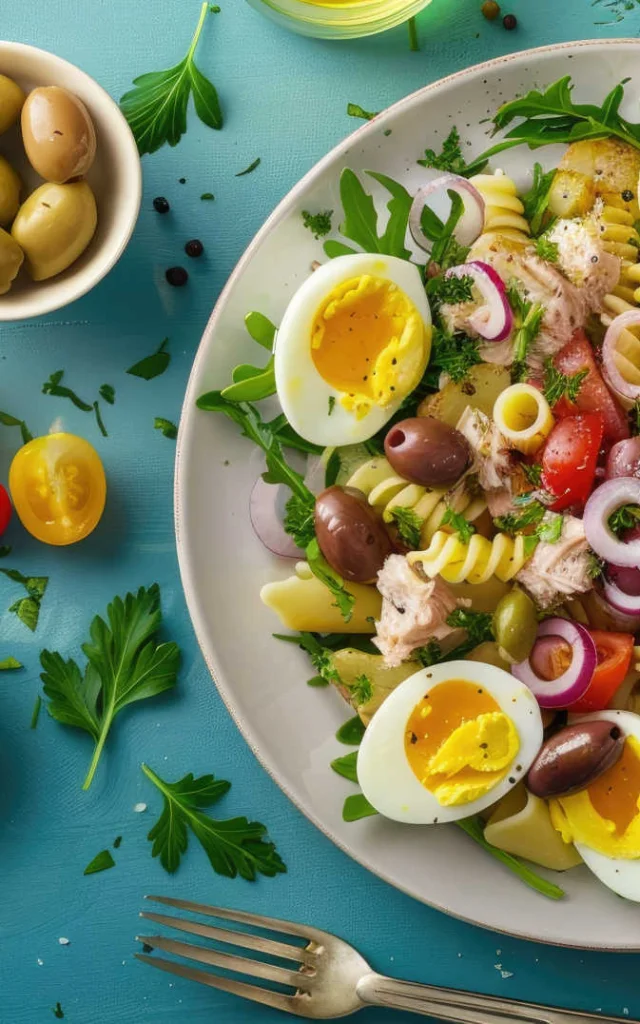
x,y
504,212
474,562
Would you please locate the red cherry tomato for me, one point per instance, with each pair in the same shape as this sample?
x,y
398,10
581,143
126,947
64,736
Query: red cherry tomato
x,y
5,510
594,395
569,459
614,657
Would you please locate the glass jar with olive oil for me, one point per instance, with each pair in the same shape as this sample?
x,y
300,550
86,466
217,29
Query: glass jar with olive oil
x,y
339,19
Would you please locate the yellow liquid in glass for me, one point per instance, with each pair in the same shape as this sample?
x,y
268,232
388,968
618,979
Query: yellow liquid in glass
x,y
334,3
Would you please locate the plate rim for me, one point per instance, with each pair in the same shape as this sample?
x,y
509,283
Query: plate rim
x,y
187,414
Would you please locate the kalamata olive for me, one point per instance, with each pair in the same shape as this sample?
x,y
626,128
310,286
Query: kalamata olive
x,y
574,757
515,625
9,192
427,451
11,100
54,226
624,458
58,134
351,537
11,257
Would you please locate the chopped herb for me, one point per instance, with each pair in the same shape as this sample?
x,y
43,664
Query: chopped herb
x,y
299,519
317,682
453,354
414,42
477,624
332,404
409,525
248,170
624,518
355,110
153,365
9,664
356,807
167,428
459,525
428,655
117,842
558,385
125,663
361,690
547,250
108,393
156,108
35,714
351,732
320,656
11,421
528,318
99,420
513,522
595,566
318,223
536,201
54,387
207,196
346,766
533,473
28,608
101,862
332,469
634,416
58,1012
234,847
530,543
450,158
450,290
550,529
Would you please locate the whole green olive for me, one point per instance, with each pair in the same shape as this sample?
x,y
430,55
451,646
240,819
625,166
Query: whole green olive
x,y
11,257
574,757
351,537
54,226
58,134
10,186
515,625
427,451
11,101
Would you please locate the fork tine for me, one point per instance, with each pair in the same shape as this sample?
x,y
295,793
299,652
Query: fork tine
x,y
229,962
237,988
243,917
205,931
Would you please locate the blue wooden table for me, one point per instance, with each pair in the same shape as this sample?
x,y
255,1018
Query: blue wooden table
x,y
285,100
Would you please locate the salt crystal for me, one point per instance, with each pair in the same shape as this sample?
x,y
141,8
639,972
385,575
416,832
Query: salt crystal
x,y
506,974
40,962
63,941
139,808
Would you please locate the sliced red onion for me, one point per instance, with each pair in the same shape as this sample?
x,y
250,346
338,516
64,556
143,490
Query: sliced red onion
x,y
602,615
620,600
611,373
494,320
569,687
266,519
623,490
624,458
314,476
471,222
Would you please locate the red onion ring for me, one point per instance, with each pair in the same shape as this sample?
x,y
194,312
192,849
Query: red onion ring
x,y
622,490
628,604
494,320
471,222
610,371
624,458
570,686
267,521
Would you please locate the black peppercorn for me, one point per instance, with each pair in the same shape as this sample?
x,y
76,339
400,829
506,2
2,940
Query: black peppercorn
x,y
627,195
161,205
177,276
510,21
194,248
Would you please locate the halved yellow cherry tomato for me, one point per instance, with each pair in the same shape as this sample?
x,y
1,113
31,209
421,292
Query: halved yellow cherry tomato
x,y
58,488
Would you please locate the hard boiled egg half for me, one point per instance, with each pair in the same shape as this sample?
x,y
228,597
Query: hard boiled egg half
x,y
450,741
603,820
354,341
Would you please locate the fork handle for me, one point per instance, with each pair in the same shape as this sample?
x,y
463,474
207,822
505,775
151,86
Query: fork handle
x,y
466,1007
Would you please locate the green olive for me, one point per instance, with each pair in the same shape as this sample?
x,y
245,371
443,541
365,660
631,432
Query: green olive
x,y
515,625
58,134
10,185
54,226
11,100
11,257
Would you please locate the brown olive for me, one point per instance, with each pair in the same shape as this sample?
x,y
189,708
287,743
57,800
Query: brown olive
x,y
427,451
574,757
351,537
58,134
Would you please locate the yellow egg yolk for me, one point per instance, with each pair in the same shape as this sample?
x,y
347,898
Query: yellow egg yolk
x,y
369,342
459,743
605,816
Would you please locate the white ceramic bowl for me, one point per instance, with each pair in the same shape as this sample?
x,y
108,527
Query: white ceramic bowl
x,y
116,180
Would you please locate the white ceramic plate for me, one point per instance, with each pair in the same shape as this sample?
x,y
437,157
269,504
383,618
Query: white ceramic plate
x,y
289,726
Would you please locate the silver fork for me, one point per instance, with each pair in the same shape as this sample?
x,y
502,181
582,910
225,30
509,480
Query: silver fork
x,y
327,977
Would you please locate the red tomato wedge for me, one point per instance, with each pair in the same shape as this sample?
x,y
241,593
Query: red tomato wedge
x,y
569,459
594,395
614,658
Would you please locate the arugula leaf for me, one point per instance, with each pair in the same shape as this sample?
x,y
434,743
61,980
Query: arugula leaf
x,y
99,420
624,518
446,250
35,714
332,248
528,318
351,732
167,428
332,580
399,207
54,387
346,766
108,393
360,223
357,807
249,170
453,354
124,664
320,656
332,468
253,384
299,519
355,110
101,862
361,690
474,829
11,421
9,664
459,525
156,108
261,329
533,473
449,158
28,608
558,385
153,365
536,200
546,249
234,847
318,223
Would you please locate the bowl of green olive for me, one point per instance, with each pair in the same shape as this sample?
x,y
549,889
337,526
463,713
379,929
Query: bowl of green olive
x,y
70,182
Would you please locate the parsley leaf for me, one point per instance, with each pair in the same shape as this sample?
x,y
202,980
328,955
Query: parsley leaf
x,y
351,732
409,525
54,387
249,170
528,318
357,807
11,421
234,847
124,664
261,329
108,393
550,529
536,201
453,354
156,108
346,766
459,524
546,249
153,365
475,830
361,690
450,290
28,608
167,428
355,110
595,566
101,862
318,223
479,626
428,655
624,518
449,158
299,519
320,656
533,473
558,385
513,522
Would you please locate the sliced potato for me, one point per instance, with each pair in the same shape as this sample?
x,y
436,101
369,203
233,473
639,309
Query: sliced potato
x,y
308,606
489,654
572,194
612,165
480,389
351,664
521,825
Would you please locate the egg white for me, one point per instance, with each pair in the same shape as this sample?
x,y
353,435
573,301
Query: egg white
x,y
303,393
384,773
620,875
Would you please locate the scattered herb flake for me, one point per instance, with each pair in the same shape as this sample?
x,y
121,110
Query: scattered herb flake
x,y
414,42
318,223
117,842
361,691
35,714
550,529
299,519
624,518
355,110
558,385
167,428
428,655
9,664
450,290
207,196
513,522
99,420
250,168
320,656
595,566
357,807
332,404
28,608
453,354
108,393
546,249
52,386
58,1012
450,158
533,473
332,468
11,421
459,524
346,766
408,524
153,365
101,862
477,624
